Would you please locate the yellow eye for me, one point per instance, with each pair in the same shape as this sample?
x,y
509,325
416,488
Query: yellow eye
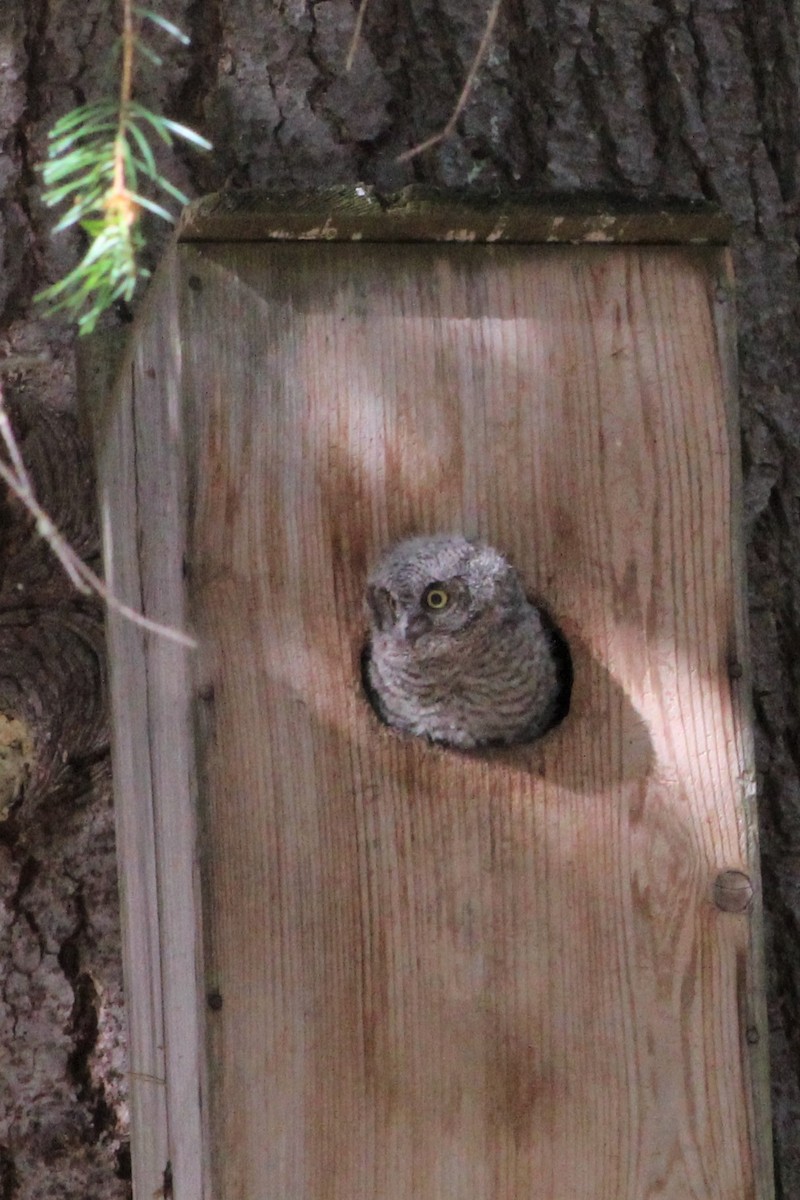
x,y
436,597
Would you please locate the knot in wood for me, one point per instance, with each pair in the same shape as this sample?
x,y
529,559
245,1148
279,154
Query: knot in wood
x,y
733,891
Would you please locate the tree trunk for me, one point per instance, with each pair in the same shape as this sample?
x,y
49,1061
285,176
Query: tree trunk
x,y
695,98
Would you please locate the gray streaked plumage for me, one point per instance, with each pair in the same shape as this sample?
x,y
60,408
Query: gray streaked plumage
x,y
457,653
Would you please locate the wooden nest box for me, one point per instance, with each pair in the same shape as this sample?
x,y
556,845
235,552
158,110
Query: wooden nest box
x,y
361,966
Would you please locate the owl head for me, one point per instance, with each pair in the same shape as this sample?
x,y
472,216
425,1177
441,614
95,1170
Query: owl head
x,y
439,585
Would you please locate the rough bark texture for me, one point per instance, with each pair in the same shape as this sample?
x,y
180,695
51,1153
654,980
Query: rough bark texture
x,y
696,98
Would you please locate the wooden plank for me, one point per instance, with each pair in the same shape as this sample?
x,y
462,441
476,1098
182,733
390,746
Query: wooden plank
x,y
422,214
133,788
513,974
98,364
141,472
753,999
161,453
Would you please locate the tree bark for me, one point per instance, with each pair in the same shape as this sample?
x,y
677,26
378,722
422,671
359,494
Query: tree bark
x,y
690,98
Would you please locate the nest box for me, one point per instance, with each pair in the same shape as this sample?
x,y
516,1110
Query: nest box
x,y
360,966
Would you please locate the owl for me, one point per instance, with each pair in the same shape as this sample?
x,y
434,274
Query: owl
x,y
456,652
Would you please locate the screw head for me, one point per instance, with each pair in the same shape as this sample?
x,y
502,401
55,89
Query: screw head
x,y
733,891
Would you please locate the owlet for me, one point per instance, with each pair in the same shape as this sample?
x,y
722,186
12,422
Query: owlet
x,y
457,653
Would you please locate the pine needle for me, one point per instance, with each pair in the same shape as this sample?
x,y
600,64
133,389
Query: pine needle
x,y
95,154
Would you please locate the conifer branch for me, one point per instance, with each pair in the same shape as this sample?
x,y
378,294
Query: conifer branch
x,y
100,160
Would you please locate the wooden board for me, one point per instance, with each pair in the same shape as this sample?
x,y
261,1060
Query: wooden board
x,y
141,473
134,802
519,975
418,213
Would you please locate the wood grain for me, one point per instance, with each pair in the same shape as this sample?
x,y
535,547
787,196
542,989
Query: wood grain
x,y
141,473
445,975
118,495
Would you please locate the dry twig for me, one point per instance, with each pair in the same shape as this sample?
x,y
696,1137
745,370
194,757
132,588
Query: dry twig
x,y
469,82
82,577
351,52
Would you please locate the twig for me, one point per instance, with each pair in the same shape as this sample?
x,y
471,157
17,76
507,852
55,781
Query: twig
x,y
80,575
13,450
44,527
351,51
480,54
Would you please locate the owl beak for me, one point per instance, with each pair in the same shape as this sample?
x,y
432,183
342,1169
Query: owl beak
x,y
413,627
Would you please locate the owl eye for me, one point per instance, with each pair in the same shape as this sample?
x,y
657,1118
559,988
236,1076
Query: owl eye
x,y
436,597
